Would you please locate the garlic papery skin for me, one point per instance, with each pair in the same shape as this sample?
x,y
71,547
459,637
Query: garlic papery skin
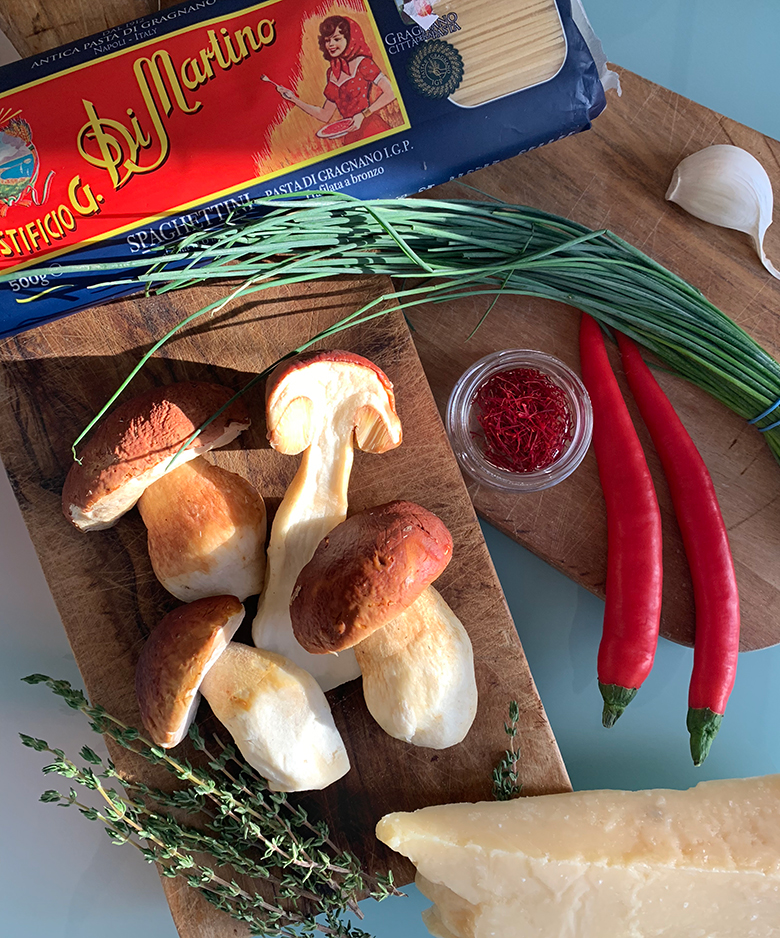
x,y
726,186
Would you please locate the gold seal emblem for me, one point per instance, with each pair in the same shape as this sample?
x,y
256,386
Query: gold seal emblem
x,y
435,69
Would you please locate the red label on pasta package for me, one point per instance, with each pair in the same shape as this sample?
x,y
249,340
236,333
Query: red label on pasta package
x,y
152,130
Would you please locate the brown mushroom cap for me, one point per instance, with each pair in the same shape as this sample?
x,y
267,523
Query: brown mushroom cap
x,y
174,661
365,573
132,446
293,386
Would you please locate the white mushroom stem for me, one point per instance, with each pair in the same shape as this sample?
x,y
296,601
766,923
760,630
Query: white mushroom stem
x,y
206,532
334,412
313,505
418,674
278,717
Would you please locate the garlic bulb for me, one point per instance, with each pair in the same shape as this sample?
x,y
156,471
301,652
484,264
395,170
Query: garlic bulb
x,y
726,186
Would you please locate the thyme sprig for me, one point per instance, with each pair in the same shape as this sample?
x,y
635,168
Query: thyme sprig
x,y
236,829
506,783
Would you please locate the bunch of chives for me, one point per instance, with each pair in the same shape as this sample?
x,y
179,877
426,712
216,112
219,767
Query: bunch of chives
x,y
450,249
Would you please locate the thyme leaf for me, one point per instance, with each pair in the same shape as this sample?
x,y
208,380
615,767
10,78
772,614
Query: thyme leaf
x,y
248,851
506,784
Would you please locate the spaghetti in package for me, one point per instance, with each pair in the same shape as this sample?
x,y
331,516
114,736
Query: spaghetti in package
x,y
117,144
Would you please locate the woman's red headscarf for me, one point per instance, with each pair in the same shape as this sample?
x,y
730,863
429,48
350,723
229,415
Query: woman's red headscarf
x,y
356,47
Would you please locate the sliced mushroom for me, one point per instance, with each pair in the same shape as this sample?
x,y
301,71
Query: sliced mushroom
x,y
321,403
276,712
133,447
206,532
368,587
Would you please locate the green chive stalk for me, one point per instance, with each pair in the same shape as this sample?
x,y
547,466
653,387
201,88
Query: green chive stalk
x,y
449,249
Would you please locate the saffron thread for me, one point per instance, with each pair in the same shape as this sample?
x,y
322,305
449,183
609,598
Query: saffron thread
x,y
524,418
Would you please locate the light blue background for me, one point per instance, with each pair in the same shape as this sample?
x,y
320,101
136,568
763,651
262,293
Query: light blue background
x,y
721,53
60,877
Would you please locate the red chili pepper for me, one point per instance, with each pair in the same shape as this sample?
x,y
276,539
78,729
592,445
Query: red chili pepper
x,y
706,543
634,559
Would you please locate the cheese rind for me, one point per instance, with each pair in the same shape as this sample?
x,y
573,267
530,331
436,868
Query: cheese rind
x,y
703,863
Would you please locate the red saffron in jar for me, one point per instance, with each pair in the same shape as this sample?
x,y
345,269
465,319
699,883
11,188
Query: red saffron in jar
x,y
525,419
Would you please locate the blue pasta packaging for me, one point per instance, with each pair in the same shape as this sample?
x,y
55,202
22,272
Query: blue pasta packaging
x,y
117,144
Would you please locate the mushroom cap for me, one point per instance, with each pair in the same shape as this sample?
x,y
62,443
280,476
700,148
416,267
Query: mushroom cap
x,y
176,658
133,447
206,532
297,387
365,573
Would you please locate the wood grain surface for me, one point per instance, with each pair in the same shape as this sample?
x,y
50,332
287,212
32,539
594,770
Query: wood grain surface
x,y
615,176
56,377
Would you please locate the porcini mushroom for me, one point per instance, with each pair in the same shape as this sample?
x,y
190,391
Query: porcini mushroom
x,y
279,718
206,532
174,660
367,587
133,447
276,713
321,403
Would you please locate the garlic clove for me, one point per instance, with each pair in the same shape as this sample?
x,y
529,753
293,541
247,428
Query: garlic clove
x,y
726,186
418,675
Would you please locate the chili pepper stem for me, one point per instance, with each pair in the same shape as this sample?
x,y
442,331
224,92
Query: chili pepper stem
x,y
703,725
616,699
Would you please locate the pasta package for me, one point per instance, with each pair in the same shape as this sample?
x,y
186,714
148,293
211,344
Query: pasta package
x,y
117,145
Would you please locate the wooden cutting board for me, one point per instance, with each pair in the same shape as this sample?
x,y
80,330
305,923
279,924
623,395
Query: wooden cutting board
x,y
613,176
54,379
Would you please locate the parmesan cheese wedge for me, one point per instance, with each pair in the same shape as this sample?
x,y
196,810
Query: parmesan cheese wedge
x,y
702,863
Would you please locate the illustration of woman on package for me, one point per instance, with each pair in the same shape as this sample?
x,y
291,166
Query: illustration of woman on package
x,y
352,80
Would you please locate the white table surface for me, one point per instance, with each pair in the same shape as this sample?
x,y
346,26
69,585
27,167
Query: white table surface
x,y
62,878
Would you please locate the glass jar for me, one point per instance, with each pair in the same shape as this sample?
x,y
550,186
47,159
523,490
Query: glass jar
x,y
466,436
